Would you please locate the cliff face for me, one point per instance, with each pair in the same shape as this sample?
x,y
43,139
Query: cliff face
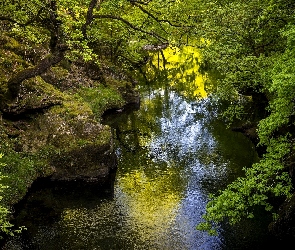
x,y
52,127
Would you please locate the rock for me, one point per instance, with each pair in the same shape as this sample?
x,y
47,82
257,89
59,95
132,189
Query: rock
x,y
78,147
89,163
130,96
35,95
68,79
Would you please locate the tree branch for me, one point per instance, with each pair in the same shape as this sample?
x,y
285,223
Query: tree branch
x,y
89,15
131,26
41,67
57,48
5,18
155,18
140,2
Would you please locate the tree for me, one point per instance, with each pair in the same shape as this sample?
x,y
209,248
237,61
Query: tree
x,y
80,30
251,46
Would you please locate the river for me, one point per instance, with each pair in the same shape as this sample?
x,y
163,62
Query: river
x,y
172,152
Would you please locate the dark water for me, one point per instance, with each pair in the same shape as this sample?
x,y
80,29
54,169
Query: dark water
x,y
172,153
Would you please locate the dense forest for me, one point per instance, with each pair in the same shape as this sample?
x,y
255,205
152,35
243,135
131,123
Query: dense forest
x,y
63,63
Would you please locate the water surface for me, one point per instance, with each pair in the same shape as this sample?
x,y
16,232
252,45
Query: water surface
x,y
172,153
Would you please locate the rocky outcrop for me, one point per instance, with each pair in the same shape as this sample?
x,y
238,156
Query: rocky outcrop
x,y
78,146
50,128
89,163
35,95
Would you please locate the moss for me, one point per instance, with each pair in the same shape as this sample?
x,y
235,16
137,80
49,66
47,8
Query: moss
x,y
38,90
21,172
72,106
3,90
59,72
11,62
10,43
61,130
101,99
117,84
49,136
56,76
67,127
35,94
21,168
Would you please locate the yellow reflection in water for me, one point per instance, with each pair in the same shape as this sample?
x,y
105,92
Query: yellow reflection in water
x,y
152,202
150,206
182,66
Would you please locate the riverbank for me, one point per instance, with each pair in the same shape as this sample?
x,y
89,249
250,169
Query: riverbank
x,y
52,128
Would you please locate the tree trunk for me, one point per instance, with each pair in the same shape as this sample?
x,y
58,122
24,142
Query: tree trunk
x,y
15,82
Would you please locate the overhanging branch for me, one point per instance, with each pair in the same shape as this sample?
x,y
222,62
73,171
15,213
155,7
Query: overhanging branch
x,y
89,15
153,34
41,67
9,19
155,18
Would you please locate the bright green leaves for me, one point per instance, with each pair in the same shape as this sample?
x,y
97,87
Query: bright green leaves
x,y
4,212
22,16
263,180
250,51
282,89
72,15
244,43
112,29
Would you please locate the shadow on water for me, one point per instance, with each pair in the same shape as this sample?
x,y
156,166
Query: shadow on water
x,y
172,152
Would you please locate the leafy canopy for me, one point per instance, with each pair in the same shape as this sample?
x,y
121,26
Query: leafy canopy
x,y
252,47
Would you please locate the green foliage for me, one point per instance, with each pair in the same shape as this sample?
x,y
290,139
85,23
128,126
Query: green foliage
x,y
32,30
20,170
282,89
263,180
254,51
249,43
107,29
244,43
5,225
4,212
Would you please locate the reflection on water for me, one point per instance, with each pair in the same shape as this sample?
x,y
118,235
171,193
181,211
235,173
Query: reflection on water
x,y
180,67
171,153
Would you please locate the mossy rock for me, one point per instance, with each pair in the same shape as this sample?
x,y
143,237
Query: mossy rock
x,y
69,146
65,126
64,141
10,63
55,76
101,99
89,163
69,79
129,94
35,95
9,43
